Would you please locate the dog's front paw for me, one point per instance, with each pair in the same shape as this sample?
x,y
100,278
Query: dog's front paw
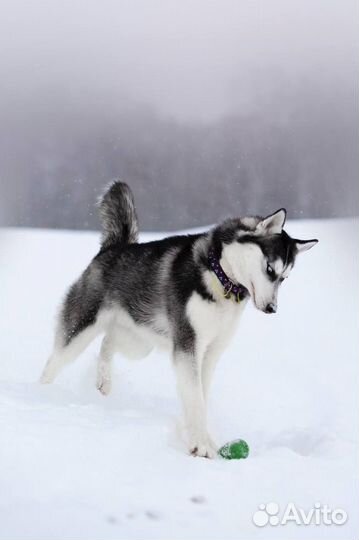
x,y
203,448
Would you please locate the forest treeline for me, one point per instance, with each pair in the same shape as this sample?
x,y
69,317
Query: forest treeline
x,y
299,151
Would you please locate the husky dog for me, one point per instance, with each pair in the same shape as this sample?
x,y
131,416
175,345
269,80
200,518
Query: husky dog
x,y
185,293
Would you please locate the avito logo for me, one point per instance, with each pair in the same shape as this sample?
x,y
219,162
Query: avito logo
x,y
319,514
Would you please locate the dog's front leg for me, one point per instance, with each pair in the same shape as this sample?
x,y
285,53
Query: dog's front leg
x,y
189,382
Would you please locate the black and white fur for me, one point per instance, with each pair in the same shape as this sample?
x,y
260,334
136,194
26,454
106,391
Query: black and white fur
x,y
163,293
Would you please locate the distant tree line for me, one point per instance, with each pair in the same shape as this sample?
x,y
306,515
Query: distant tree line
x,y
56,156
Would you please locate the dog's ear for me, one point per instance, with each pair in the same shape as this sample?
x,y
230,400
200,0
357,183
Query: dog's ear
x,y
274,223
304,245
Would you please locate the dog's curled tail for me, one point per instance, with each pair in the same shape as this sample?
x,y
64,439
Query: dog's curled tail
x,y
118,215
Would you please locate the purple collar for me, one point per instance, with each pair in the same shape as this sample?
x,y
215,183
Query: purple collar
x,y
238,291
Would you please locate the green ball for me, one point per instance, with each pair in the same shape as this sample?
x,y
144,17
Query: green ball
x,y
237,449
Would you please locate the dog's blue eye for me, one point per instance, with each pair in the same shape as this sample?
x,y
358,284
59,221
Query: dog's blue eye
x,y
270,270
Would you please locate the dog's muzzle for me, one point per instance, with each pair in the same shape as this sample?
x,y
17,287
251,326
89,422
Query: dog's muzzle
x,y
271,308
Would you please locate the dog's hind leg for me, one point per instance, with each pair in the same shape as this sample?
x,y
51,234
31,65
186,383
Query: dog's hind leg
x,y
104,366
80,320
63,354
125,341
72,337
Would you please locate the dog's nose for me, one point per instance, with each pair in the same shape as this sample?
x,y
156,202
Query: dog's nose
x,y
271,308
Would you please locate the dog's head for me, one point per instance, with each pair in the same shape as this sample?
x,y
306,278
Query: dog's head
x,y
259,254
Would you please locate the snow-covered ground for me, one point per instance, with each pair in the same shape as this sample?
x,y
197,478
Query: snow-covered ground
x,y
77,465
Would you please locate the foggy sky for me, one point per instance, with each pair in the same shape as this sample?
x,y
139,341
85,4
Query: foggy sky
x,y
251,103
190,59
